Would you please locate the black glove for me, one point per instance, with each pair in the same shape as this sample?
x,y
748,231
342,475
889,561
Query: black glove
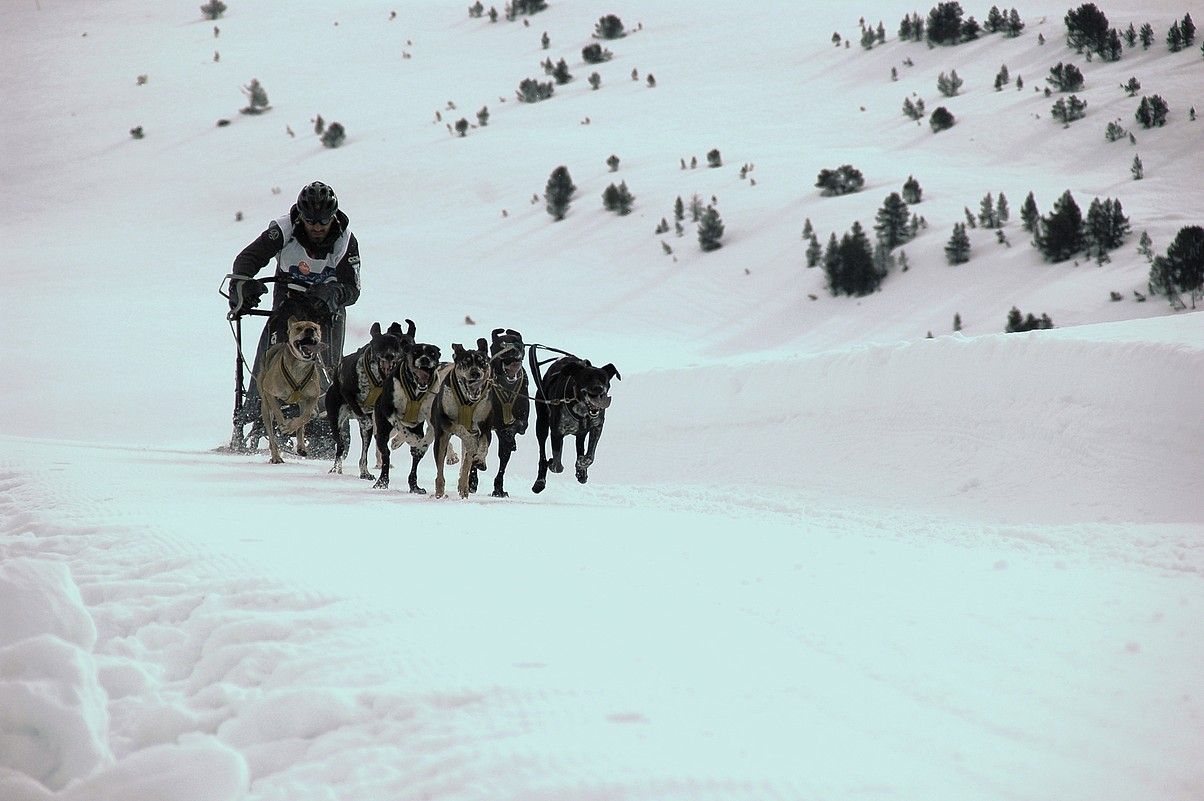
x,y
331,294
245,294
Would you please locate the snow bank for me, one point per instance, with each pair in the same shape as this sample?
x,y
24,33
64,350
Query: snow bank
x,y
1083,425
54,714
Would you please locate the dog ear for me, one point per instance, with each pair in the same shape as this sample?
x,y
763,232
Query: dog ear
x,y
292,320
612,371
457,349
514,334
412,328
376,330
497,332
482,345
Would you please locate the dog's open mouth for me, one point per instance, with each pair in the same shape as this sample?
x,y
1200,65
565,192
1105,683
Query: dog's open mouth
x,y
308,349
595,403
511,368
422,378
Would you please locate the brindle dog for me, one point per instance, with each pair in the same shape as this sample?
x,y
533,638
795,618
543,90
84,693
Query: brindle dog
x,y
511,403
571,398
404,406
358,383
462,407
289,374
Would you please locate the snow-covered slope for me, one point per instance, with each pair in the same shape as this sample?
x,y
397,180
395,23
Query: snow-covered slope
x,y
820,554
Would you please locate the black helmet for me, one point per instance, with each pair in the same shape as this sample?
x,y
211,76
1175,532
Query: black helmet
x,y
317,203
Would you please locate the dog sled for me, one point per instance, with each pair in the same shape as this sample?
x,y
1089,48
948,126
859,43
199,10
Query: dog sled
x,y
289,299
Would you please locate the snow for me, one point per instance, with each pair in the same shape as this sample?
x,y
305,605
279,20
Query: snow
x,y
820,554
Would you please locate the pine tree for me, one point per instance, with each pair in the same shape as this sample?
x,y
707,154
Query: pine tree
x,y
609,27
911,190
858,274
1187,29
1183,264
970,223
334,136
625,199
884,262
814,252
1132,87
257,96
1174,38
1130,35
940,120
1137,169
948,85
561,73
1065,78
957,251
1145,246
679,209
1061,232
833,269
891,225
995,21
1029,216
1147,36
710,230
808,230
1112,47
957,322
986,212
1151,112
559,192
1002,212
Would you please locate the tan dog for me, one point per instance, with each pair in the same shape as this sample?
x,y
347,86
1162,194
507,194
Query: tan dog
x,y
289,374
463,404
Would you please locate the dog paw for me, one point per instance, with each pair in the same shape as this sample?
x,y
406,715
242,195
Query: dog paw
x,y
582,476
381,484
366,476
417,490
276,460
497,493
556,466
538,487
337,470
452,458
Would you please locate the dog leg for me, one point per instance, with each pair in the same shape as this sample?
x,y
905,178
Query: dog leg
x,y
382,429
541,433
557,466
416,453
270,411
505,447
308,407
334,411
366,440
467,483
583,461
441,440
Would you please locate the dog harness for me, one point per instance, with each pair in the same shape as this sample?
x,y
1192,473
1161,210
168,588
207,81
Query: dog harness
x,y
413,399
507,397
467,408
374,387
297,385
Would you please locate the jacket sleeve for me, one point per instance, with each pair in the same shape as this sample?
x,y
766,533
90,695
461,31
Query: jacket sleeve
x,y
348,271
255,256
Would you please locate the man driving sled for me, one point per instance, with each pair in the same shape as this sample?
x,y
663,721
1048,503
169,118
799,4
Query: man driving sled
x,y
317,255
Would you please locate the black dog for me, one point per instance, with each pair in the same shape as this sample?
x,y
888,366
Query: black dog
x,y
511,402
356,385
402,408
571,399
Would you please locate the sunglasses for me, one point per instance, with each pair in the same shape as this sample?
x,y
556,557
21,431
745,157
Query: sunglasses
x,y
325,221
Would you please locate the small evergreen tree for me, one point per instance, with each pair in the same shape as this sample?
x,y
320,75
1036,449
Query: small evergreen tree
x,y
1183,264
1151,112
841,181
1147,36
258,98
609,27
483,116
1174,38
334,136
476,10
613,163
1130,36
1137,169
1060,233
948,85
595,80
559,192
945,23
814,251
970,30
714,159
1187,29
986,212
462,126
1132,87
995,21
891,221
858,274
533,91
957,250
1068,110
1145,246
957,322
710,230
561,73
1065,78
941,119
1015,25
1016,322
912,191
1029,216
595,54
213,9
1002,212
1086,28
679,209
832,265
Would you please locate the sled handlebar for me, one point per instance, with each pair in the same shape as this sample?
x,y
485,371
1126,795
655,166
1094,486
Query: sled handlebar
x,y
231,289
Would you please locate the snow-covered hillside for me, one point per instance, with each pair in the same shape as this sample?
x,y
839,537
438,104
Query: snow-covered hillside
x,y
820,554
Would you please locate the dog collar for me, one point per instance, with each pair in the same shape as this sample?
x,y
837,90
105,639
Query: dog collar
x,y
298,386
467,408
375,387
507,397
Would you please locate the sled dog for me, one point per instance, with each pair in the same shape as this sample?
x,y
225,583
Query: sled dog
x,y
289,375
571,399
357,384
463,404
402,413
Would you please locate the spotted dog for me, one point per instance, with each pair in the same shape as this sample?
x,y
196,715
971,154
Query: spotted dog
x,y
403,410
357,384
571,399
288,374
511,403
462,407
